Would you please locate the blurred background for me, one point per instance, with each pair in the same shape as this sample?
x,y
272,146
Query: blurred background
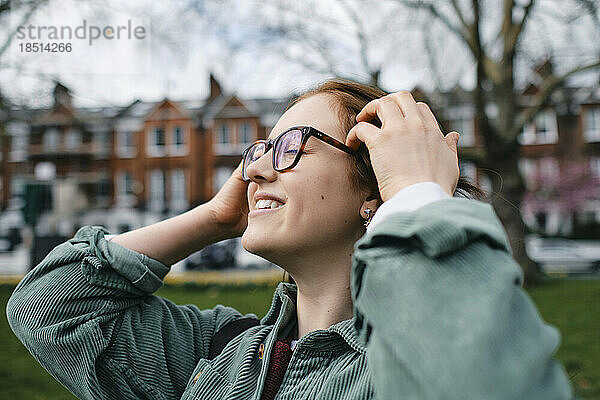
x,y
122,115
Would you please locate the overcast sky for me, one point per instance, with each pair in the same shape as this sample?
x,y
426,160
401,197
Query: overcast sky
x,y
174,57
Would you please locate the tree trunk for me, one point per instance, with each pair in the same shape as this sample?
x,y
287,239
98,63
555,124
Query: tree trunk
x,y
506,200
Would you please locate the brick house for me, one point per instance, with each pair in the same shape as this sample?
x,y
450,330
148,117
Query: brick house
x,y
560,155
128,165
146,161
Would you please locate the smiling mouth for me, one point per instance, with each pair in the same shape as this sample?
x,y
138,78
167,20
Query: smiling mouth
x,y
261,211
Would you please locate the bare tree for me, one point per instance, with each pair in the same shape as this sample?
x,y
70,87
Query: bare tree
x,y
24,10
495,70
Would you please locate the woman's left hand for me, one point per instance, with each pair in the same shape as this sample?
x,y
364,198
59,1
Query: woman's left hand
x,y
409,147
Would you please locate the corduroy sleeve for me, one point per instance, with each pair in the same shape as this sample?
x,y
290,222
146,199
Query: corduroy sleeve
x,y
439,303
87,314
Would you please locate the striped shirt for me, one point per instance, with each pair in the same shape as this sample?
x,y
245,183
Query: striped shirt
x,y
439,313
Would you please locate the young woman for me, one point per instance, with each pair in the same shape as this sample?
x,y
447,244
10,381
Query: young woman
x,y
424,303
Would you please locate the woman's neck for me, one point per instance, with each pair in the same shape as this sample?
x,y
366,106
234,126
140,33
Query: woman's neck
x,y
322,304
322,277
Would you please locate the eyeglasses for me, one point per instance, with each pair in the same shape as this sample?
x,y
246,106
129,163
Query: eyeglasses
x,y
287,148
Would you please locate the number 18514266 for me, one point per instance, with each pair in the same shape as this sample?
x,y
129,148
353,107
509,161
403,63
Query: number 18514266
x,y
45,47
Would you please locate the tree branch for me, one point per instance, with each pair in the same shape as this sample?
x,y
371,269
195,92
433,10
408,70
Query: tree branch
x,y
34,6
511,40
5,6
362,41
466,35
548,87
429,7
459,14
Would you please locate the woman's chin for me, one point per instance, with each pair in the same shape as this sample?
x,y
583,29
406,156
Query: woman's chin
x,y
261,245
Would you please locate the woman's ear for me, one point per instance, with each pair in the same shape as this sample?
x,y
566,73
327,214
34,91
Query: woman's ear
x,y
372,202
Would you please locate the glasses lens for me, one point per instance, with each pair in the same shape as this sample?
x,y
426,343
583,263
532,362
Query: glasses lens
x,y
287,148
253,154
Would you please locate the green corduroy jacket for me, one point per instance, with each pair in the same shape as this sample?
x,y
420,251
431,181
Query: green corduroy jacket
x,y
439,313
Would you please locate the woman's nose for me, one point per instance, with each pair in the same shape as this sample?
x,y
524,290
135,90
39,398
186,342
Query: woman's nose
x,y
262,168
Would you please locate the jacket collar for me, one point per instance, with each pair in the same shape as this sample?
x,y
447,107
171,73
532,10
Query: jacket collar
x,y
283,309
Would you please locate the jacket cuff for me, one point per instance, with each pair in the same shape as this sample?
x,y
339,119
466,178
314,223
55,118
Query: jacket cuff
x,y
409,199
112,265
442,227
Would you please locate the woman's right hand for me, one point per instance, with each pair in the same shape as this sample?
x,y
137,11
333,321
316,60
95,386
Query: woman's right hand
x,y
229,207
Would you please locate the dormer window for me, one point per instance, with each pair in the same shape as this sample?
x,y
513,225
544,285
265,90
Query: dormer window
x,y
178,141
591,124
156,145
246,135
126,144
224,144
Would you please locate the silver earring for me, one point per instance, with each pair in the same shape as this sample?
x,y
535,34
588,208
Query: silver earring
x,y
370,214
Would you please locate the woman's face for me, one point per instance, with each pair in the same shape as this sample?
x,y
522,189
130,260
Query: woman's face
x,y
321,208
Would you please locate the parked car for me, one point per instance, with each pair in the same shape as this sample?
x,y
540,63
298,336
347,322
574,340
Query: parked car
x,y
246,260
225,254
557,255
217,256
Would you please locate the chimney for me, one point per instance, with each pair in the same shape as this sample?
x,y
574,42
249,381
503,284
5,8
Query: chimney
x,y
62,95
215,88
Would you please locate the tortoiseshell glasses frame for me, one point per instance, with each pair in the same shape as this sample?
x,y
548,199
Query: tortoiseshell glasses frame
x,y
287,148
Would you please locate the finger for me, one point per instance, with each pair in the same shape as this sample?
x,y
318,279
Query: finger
x,y
451,140
361,132
429,120
238,171
407,104
384,108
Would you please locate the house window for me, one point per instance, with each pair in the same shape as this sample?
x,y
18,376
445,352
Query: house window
x,y
527,135
223,143
51,139
178,145
126,144
527,168
17,186
73,139
102,143
461,119
18,150
464,126
595,166
157,142
20,142
102,191
592,124
157,189
124,184
246,135
221,176
545,127
178,190
468,169
223,134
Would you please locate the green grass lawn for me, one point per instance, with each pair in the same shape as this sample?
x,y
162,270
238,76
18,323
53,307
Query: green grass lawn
x,y
570,305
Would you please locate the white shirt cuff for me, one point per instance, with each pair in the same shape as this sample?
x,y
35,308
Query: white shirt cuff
x,y
409,199
109,237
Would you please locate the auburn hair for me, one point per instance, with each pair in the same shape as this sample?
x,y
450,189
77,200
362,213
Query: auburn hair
x,y
348,99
